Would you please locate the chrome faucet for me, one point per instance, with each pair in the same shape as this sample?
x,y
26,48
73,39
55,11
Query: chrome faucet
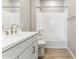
x,y
13,28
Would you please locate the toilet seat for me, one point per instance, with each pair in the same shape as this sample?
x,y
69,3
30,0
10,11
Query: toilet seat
x,y
41,43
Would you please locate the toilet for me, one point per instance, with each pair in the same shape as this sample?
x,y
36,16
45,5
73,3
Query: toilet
x,y
41,44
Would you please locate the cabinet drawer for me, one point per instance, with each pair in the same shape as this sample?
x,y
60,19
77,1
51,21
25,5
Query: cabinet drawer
x,y
15,51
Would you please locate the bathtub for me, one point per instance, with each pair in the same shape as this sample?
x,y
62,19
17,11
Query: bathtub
x,y
55,43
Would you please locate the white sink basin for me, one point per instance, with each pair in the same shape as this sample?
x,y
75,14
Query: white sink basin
x,y
11,40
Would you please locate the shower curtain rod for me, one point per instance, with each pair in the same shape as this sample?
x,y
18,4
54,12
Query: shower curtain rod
x,y
50,6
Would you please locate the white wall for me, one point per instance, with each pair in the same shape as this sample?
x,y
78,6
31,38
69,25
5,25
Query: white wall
x,y
52,2
72,35
72,26
54,25
9,18
25,15
9,3
10,15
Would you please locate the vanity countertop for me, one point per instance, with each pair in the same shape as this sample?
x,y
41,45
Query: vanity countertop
x,y
12,40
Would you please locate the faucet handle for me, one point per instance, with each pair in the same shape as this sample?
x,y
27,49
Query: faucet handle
x,y
12,28
11,31
15,31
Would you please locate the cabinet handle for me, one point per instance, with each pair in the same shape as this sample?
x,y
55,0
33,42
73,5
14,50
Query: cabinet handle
x,y
17,57
33,49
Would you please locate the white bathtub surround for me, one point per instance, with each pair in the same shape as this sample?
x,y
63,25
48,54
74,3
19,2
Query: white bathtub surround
x,y
53,19
56,44
54,28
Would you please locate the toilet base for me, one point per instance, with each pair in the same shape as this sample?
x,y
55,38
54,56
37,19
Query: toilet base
x,y
41,52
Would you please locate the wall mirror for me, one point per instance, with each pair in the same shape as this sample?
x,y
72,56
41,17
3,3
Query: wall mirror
x,y
10,13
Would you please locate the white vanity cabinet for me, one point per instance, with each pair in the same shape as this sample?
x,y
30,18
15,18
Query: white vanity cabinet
x,y
35,47
35,50
16,50
27,54
32,51
27,49
17,57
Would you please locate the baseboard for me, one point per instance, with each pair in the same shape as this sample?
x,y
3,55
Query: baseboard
x,y
56,44
71,53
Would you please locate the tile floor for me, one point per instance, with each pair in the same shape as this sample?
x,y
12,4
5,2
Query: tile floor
x,y
56,54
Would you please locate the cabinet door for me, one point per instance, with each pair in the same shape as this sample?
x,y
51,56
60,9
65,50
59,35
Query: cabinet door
x,y
7,57
35,50
27,54
18,49
17,57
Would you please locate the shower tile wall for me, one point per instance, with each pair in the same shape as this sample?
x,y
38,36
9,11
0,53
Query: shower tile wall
x,y
54,25
55,28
